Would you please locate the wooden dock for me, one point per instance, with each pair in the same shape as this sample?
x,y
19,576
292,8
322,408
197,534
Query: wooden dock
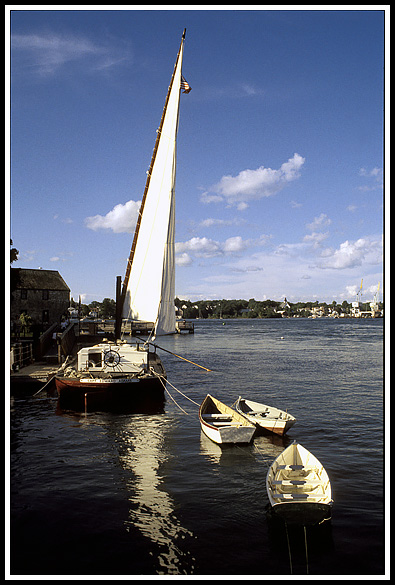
x,y
183,326
32,377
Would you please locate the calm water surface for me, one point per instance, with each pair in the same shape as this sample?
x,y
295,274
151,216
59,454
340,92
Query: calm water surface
x,y
106,494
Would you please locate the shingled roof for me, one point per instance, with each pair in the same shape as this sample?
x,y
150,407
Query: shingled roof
x,y
32,279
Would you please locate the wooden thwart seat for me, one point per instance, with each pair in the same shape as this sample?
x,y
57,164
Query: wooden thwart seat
x,y
297,467
291,496
225,424
216,416
297,482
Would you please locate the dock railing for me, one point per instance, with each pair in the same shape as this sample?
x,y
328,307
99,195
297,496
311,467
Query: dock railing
x,y
67,340
21,354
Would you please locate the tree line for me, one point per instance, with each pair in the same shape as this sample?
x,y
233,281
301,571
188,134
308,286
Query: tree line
x,y
253,309
228,308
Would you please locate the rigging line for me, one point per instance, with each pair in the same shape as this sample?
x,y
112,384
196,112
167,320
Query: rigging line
x,y
152,332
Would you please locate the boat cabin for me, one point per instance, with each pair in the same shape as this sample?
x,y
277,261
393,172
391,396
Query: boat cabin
x,y
106,357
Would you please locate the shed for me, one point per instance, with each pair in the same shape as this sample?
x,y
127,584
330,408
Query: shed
x,y
41,294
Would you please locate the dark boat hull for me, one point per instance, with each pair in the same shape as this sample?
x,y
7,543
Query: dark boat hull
x,y
303,513
136,395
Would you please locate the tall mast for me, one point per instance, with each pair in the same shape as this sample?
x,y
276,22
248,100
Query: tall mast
x,y
159,131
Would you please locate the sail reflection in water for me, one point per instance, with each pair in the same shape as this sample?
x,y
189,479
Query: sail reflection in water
x,y
143,451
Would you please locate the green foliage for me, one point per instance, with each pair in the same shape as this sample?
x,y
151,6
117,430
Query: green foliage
x,y
231,308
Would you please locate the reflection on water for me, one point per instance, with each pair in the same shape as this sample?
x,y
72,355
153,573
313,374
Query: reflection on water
x,y
266,446
142,451
140,495
270,446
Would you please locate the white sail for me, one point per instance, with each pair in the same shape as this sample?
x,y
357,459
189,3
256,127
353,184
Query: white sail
x,y
150,291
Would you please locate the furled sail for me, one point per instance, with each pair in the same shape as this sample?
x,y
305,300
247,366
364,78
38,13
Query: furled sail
x,y
149,286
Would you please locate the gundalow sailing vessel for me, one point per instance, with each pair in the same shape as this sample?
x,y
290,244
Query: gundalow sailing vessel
x,y
115,372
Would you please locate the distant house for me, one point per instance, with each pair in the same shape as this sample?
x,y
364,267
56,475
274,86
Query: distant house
x,y
42,294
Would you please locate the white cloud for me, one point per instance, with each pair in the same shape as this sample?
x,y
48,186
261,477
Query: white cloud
x,y
200,247
352,290
207,198
247,269
319,222
47,53
210,222
250,184
290,270
183,259
235,91
376,172
208,248
66,220
27,255
234,245
351,254
122,218
316,238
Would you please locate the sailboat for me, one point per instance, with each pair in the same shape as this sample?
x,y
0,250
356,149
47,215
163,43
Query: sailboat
x,y
118,372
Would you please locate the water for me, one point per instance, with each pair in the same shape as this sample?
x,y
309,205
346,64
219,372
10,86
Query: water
x,y
106,494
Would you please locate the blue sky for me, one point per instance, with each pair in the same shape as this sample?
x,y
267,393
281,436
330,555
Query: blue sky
x,y
280,148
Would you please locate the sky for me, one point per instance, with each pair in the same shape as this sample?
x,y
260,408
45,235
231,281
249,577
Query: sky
x,y
280,150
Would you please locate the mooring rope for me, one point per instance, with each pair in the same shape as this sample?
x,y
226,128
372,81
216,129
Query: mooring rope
x,y
167,392
161,378
62,367
182,394
305,546
289,548
260,452
176,403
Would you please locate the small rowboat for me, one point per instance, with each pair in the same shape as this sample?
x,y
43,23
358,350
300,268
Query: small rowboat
x,y
297,482
222,424
265,417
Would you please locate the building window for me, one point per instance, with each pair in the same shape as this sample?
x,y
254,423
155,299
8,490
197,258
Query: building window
x,y
45,316
45,295
23,293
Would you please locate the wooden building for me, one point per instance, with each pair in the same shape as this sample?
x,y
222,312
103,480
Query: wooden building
x,y
43,295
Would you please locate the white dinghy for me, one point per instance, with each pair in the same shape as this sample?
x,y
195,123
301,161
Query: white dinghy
x,y
297,482
222,424
265,417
